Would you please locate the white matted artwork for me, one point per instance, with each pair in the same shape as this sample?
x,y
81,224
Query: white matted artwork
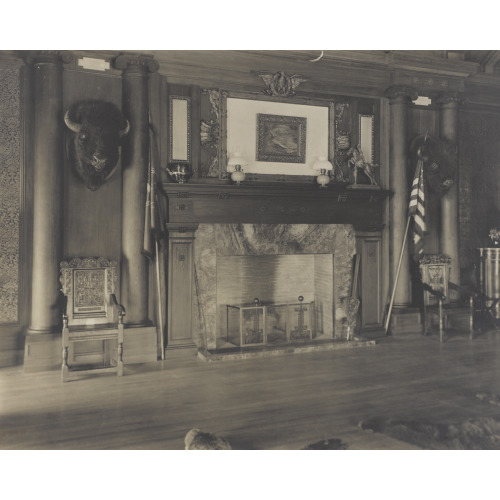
x,y
242,134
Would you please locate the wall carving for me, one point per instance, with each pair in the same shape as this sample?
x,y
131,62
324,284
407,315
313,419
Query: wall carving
x,y
10,189
210,127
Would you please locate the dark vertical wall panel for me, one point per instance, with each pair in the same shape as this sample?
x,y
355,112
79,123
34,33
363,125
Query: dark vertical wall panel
x,y
420,121
479,181
92,219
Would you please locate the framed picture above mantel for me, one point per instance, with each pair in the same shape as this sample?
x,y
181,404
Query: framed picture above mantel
x,y
281,139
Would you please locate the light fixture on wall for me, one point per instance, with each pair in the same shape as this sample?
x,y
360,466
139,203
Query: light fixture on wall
x,y
235,165
323,166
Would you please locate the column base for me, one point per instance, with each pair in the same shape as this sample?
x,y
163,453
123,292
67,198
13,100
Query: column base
x,y
405,320
42,352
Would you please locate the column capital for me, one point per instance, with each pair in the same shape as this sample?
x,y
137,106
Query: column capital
x,y
401,91
136,64
449,98
49,57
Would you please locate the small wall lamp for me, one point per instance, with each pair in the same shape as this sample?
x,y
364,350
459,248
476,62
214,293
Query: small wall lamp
x,y
323,166
235,165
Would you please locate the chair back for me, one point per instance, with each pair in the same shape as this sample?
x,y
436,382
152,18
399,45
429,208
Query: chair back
x,y
435,272
87,283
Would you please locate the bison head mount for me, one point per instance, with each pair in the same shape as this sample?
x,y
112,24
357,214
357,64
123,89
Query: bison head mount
x,y
94,150
439,157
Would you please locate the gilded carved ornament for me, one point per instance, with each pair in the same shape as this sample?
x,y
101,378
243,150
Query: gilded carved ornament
x,y
279,83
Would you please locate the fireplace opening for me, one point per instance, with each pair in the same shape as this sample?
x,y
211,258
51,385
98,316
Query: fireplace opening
x,y
274,299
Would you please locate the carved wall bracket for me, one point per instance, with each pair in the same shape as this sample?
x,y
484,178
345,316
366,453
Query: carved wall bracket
x,y
279,83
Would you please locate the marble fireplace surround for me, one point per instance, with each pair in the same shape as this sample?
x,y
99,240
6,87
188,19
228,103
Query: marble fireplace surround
x,y
213,242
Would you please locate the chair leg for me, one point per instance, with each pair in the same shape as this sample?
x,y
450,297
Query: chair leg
x,y
64,368
471,318
441,332
119,361
424,320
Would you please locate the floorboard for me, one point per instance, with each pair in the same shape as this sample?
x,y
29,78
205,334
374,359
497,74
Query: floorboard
x,y
282,402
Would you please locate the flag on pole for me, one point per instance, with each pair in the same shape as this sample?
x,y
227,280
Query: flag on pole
x,y
152,224
416,210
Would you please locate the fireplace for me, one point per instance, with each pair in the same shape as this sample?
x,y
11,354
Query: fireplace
x,y
231,245
274,263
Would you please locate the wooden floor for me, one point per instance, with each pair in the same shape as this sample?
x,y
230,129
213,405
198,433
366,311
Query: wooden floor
x,y
281,402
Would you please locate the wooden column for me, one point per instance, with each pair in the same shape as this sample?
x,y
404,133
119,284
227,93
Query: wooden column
x,y
449,201
135,157
48,190
399,97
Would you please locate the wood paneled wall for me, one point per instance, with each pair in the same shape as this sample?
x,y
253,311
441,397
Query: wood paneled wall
x,y
92,219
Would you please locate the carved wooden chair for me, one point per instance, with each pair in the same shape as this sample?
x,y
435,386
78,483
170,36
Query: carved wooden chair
x,y
435,274
91,314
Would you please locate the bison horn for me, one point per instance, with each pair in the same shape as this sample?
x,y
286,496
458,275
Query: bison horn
x,y
75,127
126,130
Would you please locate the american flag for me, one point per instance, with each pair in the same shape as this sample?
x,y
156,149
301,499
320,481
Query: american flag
x,y
417,210
153,226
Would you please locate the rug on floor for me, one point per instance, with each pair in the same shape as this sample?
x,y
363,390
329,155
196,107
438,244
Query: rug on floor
x,y
481,433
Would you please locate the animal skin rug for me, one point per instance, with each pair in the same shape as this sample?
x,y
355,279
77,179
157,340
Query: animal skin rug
x,y
327,444
198,440
473,434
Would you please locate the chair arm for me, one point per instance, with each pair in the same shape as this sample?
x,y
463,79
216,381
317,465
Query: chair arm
x,y
64,308
121,309
431,290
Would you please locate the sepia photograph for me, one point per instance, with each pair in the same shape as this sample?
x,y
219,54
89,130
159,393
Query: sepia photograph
x,y
266,251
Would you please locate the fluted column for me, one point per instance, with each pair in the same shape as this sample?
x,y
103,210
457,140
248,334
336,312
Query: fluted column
x,y
48,190
399,97
135,156
449,201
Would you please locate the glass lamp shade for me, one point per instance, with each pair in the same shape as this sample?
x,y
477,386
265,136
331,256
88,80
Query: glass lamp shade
x,y
323,166
235,165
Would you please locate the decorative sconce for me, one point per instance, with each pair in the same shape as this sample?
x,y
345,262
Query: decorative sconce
x,y
235,165
179,172
323,166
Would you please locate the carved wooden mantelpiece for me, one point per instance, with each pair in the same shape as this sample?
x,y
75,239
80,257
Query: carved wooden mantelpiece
x,y
188,205
272,203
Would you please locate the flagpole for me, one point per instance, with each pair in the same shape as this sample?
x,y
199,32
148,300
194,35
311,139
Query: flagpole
x,y
387,320
160,316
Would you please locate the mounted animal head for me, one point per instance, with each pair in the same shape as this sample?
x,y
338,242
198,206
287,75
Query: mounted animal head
x,y
98,128
439,157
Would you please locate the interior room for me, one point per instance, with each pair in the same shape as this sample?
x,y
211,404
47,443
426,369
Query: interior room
x,y
281,249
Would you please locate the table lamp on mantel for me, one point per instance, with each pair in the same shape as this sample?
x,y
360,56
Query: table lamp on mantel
x,y
235,165
323,166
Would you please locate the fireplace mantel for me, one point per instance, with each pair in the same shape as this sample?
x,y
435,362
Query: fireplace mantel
x,y
187,207
273,203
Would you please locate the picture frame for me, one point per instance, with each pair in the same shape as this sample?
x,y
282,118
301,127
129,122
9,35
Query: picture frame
x,y
281,138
